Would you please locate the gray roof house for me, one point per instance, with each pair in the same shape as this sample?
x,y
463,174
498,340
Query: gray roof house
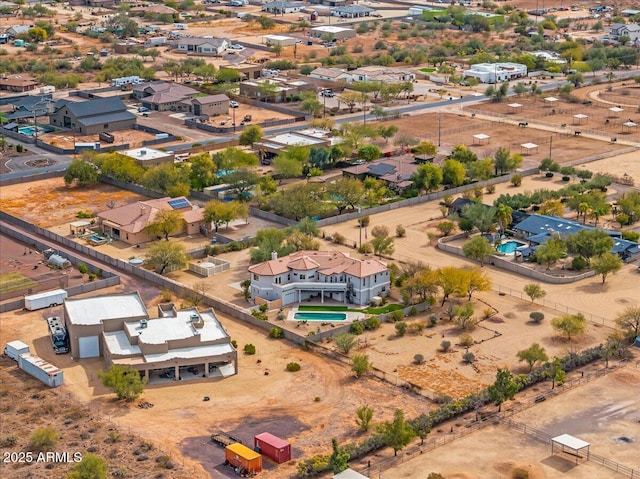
x,y
202,45
631,30
92,116
281,7
352,11
16,30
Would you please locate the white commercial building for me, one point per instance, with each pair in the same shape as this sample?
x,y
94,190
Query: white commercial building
x,y
336,33
496,72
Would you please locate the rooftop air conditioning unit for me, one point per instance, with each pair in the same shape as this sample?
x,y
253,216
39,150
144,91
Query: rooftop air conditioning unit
x,y
194,318
143,323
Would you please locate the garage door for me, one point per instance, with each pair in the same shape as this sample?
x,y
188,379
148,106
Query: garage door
x,y
89,347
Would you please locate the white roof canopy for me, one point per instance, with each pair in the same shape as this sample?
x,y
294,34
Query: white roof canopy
x,y
570,442
481,136
580,116
629,124
529,146
514,105
616,109
551,99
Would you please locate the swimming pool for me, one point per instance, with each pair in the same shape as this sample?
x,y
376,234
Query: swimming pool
x,y
31,130
319,316
509,247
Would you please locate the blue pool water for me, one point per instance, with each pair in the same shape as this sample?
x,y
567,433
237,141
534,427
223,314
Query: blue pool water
x,y
509,247
97,238
320,316
31,130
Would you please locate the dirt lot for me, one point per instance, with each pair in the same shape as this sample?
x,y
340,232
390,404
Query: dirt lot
x,y
603,412
67,140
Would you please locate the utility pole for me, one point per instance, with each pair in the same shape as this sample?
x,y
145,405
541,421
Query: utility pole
x,y
550,145
438,128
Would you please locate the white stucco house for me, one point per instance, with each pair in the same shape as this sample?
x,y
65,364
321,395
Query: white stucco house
x,y
496,72
321,274
631,30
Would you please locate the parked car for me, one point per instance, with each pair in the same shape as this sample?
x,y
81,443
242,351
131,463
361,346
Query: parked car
x,y
142,109
236,47
327,93
330,44
234,104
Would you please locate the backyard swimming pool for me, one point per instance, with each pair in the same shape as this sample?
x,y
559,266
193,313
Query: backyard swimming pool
x,y
319,316
509,247
31,130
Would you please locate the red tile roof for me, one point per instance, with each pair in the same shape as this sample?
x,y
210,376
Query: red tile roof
x,y
325,262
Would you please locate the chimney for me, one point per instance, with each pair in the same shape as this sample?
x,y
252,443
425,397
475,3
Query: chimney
x,y
274,255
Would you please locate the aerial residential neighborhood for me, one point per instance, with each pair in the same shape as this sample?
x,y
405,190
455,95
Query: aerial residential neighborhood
x,y
320,238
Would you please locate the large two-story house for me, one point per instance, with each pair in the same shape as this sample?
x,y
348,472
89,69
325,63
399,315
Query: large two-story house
x,y
323,274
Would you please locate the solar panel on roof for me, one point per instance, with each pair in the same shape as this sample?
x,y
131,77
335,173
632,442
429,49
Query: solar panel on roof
x,y
179,203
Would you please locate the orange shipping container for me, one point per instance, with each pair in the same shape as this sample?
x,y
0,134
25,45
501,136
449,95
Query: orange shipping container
x,y
241,456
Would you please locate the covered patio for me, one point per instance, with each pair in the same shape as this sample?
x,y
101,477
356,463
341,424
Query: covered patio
x,y
481,138
550,101
528,148
514,107
579,118
628,126
570,444
615,110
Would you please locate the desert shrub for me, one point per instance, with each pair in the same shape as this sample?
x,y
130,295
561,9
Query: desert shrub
x,y
487,313
466,340
280,316
401,328
275,333
234,343
364,221
259,315
435,475
263,308
338,238
400,231
19,148
536,316
166,296
395,316
365,248
433,320
549,174
372,323
83,268
92,277
516,180
43,439
490,189
413,311
292,367
578,263
566,178
445,345
468,357
623,219
356,328
415,328
519,473
418,358
8,441
249,349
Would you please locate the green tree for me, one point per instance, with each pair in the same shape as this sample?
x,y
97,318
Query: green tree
x,y
43,439
360,364
220,212
589,243
369,152
505,388
166,179
242,180
124,381
463,154
345,192
165,256
504,216
478,249
339,459
287,167
246,289
534,291
570,324
250,135
91,467
427,177
551,251
298,201
629,320
202,168
453,173
267,241
446,227
504,161
451,281
81,173
532,355
481,217
364,416
476,280
382,242
387,131
165,223
422,427
606,264
463,316
398,433
345,342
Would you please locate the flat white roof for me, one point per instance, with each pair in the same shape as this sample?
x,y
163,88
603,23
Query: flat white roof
x,y
146,154
481,136
161,330
190,353
279,37
551,99
616,109
295,139
92,311
17,344
570,441
349,474
331,29
630,124
46,294
514,105
118,343
529,146
580,116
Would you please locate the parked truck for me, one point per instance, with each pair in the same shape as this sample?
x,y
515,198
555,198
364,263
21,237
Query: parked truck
x,y
14,349
58,335
45,300
40,369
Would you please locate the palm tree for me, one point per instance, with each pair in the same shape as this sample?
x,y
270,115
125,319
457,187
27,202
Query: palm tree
x,y
504,215
583,209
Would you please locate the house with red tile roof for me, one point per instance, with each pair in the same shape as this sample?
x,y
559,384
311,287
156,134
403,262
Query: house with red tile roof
x,y
319,274
129,223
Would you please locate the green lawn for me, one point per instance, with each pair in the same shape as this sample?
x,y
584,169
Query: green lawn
x,y
14,281
427,70
372,310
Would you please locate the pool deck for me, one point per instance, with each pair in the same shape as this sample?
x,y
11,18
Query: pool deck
x,y
351,316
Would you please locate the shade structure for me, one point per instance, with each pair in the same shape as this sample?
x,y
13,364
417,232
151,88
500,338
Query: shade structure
x,y
579,118
514,106
550,100
629,125
616,110
567,441
481,138
529,147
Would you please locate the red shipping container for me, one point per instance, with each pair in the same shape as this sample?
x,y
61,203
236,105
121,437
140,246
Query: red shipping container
x,y
273,447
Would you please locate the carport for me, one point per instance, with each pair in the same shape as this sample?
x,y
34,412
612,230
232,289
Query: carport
x,y
572,443
514,107
481,138
578,119
627,126
550,101
528,148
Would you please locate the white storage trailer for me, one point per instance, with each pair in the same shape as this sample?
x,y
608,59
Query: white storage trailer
x,y
14,349
45,300
40,369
